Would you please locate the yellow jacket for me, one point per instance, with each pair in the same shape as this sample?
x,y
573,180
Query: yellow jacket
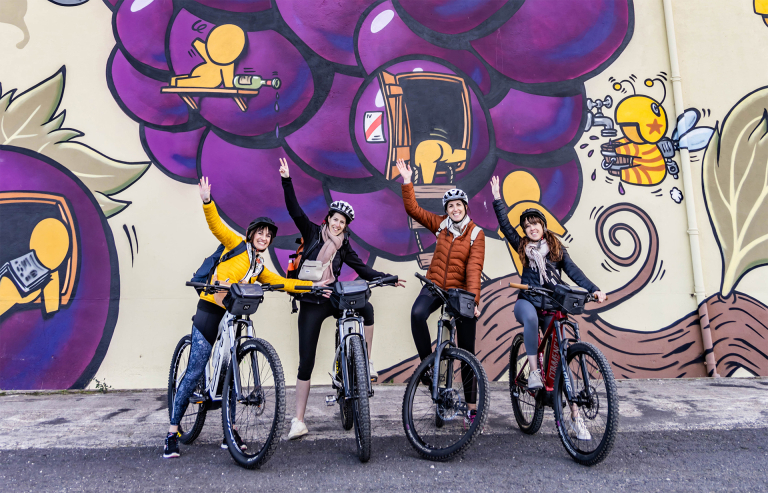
x,y
234,269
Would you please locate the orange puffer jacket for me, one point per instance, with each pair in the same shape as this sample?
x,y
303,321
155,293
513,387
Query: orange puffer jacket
x,y
458,262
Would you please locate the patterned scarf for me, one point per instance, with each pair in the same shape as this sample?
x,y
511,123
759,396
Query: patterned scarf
x,y
537,254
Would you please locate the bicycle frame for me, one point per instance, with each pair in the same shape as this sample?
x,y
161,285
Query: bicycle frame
x,y
224,351
445,319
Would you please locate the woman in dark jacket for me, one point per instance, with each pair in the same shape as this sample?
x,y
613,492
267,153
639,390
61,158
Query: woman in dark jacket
x,y
328,243
543,258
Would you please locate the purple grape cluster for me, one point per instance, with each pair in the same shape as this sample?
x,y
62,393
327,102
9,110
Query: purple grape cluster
x,y
524,64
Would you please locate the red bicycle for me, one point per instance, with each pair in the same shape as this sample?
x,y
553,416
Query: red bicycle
x,y
575,374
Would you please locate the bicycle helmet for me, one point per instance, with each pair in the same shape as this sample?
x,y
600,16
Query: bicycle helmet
x,y
344,209
258,223
533,213
455,194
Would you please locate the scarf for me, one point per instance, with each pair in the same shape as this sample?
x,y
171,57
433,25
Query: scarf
x,y
537,254
456,228
331,245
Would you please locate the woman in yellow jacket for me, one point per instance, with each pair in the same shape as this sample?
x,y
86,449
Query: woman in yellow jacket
x,y
247,267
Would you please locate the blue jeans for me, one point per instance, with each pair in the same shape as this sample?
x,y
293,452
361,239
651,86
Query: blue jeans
x,y
198,357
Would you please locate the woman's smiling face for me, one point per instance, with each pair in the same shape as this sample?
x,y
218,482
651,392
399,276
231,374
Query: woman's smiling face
x,y
336,223
456,210
533,227
261,238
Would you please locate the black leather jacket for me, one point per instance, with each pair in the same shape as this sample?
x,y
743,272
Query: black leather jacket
x,y
313,242
529,276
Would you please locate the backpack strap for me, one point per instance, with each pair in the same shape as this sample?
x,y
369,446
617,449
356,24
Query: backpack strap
x,y
233,253
473,235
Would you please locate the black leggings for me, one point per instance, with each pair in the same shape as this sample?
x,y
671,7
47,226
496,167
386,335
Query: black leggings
x,y
425,304
207,319
311,317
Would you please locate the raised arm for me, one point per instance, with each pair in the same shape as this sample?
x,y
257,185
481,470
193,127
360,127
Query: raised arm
x,y
429,220
501,215
302,221
226,236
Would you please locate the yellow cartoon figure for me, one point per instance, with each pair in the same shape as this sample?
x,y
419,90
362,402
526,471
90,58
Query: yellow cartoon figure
x,y
636,158
430,153
761,8
521,191
24,279
224,45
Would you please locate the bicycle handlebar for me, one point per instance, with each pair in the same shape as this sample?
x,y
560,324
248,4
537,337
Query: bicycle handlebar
x,y
389,280
434,287
211,288
546,291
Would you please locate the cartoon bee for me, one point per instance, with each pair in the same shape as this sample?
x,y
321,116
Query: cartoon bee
x,y
644,155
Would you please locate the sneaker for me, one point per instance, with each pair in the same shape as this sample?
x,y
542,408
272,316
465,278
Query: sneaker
x,y
372,371
171,446
469,419
534,380
298,429
238,441
579,428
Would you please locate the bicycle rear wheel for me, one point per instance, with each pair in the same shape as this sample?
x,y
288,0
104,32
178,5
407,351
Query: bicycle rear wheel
x,y
444,438
360,405
528,412
598,404
258,415
194,418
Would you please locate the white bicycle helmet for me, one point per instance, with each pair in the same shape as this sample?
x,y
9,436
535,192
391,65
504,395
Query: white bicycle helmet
x,y
344,209
455,194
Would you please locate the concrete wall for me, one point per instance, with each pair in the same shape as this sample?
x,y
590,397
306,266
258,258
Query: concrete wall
x,y
99,164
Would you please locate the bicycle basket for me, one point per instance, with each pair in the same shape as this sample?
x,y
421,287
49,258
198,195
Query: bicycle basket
x,y
350,295
461,302
243,299
572,298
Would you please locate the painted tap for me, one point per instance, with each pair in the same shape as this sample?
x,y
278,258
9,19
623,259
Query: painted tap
x,y
597,119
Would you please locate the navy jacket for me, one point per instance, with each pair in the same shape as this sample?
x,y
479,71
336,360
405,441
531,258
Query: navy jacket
x,y
313,242
529,276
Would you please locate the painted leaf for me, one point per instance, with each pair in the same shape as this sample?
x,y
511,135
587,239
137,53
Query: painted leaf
x,y
29,120
735,178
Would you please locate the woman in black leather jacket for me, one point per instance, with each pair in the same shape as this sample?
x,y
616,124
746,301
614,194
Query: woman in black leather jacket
x,y
543,258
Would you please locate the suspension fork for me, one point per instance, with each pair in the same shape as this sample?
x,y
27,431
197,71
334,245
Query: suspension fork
x,y
563,349
438,353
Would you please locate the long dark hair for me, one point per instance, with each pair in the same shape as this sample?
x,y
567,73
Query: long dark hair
x,y
555,247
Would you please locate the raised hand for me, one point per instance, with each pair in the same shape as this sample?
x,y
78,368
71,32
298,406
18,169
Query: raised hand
x,y
205,189
405,171
284,168
495,188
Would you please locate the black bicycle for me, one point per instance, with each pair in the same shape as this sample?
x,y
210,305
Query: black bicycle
x,y
575,374
350,377
250,393
444,387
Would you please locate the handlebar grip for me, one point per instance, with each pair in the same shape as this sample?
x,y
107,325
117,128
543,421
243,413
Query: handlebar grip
x,y
524,287
303,288
419,276
195,284
388,280
276,286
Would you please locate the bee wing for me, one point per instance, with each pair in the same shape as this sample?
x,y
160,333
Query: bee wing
x,y
686,122
696,139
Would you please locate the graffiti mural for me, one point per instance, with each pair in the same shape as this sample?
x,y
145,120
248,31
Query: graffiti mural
x,y
59,282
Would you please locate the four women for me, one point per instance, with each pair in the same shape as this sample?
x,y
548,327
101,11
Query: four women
x,y
457,263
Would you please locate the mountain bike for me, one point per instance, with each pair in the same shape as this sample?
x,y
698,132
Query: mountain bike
x,y
574,373
350,377
244,377
443,387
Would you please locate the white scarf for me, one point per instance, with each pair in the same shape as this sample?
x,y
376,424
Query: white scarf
x,y
537,254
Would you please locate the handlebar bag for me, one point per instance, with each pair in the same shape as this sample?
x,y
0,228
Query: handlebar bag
x,y
350,295
572,298
462,302
243,299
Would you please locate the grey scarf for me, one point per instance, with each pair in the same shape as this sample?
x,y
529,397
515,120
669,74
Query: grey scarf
x,y
456,228
537,255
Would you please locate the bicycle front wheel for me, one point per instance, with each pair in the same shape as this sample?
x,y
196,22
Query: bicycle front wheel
x,y
528,413
359,382
194,417
597,403
439,429
253,421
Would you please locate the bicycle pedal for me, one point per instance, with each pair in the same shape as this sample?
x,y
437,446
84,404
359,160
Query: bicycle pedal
x,y
330,400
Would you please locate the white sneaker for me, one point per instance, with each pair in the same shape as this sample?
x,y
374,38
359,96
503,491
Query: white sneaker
x,y
579,428
372,371
534,380
298,429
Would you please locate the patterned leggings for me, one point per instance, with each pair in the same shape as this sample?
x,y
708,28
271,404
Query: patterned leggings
x,y
198,357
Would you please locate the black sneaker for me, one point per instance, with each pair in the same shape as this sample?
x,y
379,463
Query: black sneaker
x,y
238,441
171,446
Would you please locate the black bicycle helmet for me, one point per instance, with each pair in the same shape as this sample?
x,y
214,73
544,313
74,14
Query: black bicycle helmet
x,y
258,223
532,213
